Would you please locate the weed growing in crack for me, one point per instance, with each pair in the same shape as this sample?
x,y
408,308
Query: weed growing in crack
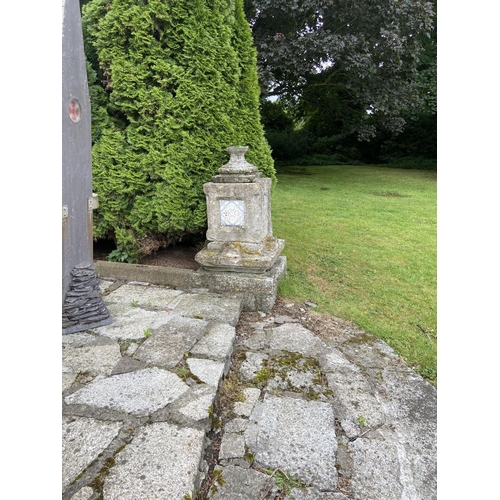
x,y
285,481
214,419
361,421
183,372
124,345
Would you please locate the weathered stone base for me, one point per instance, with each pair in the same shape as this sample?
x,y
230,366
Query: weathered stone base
x,y
257,291
241,257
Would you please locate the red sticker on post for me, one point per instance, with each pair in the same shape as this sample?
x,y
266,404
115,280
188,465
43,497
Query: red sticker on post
x,y
74,111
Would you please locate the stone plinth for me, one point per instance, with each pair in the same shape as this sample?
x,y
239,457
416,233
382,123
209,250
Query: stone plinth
x,y
241,255
235,256
257,291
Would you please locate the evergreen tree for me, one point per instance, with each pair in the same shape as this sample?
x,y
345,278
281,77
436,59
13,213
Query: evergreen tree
x,y
173,84
249,121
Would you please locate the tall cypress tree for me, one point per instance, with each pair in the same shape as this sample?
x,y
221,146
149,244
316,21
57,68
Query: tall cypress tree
x,y
248,114
172,84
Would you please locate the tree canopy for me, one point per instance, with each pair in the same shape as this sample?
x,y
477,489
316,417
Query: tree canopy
x,y
361,57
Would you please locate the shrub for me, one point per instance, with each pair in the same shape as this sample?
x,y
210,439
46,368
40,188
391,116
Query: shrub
x,y
290,144
173,84
413,163
317,160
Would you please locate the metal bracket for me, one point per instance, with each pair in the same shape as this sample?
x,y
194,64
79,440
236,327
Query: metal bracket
x,y
93,202
65,211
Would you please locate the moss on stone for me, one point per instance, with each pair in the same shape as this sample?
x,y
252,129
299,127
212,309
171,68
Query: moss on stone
x,y
279,367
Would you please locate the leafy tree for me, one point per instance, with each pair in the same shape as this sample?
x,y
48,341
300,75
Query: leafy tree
x,y
275,116
419,138
172,85
359,55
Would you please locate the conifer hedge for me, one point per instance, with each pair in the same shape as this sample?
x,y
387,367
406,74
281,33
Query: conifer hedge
x,y
173,83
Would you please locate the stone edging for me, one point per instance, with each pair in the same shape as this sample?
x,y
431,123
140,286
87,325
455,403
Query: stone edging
x,y
157,275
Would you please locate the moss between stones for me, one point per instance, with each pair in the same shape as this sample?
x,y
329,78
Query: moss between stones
x,y
231,393
217,480
280,366
110,462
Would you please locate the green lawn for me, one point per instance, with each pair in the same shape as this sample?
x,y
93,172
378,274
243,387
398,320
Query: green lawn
x,y
361,243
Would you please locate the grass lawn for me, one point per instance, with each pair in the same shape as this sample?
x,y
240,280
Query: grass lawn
x,y
361,243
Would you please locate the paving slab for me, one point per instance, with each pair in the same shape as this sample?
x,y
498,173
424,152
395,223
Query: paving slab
x,y
145,296
245,408
370,352
294,337
256,341
160,463
295,380
377,457
84,494
95,359
83,439
211,307
315,494
105,284
288,372
168,344
67,379
133,346
243,484
232,446
331,360
81,339
355,399
207,370
411,408
198,402
236,425
217,343
139,393
297,436
252,364
129,323
128,364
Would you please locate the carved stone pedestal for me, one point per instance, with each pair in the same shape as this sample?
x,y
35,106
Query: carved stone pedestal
x,y
239,234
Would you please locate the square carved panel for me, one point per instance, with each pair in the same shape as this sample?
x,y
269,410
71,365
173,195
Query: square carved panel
x,y
232,212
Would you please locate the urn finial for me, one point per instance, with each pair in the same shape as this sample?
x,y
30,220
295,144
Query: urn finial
x,y
237,163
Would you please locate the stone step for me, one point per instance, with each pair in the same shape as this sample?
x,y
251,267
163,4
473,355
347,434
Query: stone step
x,y
334,419
315,416
138,394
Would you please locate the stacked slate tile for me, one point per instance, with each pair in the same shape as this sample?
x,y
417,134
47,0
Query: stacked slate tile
x,y
83,306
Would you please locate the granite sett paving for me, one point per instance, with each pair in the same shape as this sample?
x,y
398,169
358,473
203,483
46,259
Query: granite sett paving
x,y
314,419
